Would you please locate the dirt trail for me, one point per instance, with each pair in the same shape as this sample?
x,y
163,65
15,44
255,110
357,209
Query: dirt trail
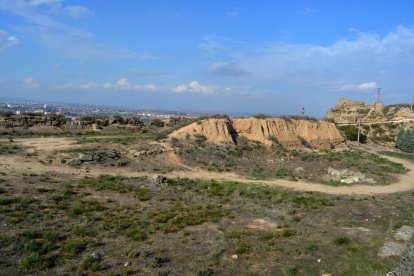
x,y
15,165
47,144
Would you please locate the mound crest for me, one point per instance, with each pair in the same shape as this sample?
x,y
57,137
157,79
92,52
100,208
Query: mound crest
x,y
290,134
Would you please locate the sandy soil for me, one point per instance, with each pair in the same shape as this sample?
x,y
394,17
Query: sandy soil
x,y
17,165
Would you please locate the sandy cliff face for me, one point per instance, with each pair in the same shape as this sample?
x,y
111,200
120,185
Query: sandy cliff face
x,y
290,134
216,130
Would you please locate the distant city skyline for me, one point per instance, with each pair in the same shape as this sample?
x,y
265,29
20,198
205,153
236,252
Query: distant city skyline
x,y
272,57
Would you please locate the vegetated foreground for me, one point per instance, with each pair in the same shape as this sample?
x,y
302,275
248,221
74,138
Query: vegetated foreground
x,y
106,224
61,214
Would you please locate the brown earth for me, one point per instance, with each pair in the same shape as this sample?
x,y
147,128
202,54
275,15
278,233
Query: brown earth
x,y
289,134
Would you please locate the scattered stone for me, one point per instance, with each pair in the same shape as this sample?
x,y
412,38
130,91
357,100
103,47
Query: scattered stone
x,y
370,181
159,179
74,162
405,233
334,172
327,274
85,157
391,249
361,229
234,257
299,170
348,177
31,152
96,256
348,180
128,263
143,153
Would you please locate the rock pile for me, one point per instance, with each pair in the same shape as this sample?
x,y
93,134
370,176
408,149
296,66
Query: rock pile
x,y
348,176
97,156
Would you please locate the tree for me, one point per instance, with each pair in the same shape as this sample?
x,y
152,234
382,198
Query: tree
x,y
157,122
405,140
351,134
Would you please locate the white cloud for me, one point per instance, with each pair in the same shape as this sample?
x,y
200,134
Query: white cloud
x,y
81,86
30,83
194,87
123,83
7,41
358,87
226,69
77,11
211,45
45,2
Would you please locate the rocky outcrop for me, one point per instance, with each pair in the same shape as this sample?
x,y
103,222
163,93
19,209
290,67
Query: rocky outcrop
x,y
349,111
289,133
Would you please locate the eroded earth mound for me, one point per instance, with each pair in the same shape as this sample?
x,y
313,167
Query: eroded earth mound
x,y
289,133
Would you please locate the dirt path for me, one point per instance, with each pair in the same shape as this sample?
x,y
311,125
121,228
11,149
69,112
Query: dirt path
x,y
17,165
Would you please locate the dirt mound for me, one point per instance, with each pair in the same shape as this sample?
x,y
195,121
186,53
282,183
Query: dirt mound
x,y
215,130
288,133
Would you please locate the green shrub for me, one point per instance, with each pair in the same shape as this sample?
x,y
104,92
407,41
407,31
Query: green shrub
x,y
341,240
405,140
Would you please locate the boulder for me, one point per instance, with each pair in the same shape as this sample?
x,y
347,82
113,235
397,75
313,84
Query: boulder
x,y
85,157
159,179
74,162
405,233
392,249
406,267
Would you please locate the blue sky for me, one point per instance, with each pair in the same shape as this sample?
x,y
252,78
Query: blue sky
x,y
215,56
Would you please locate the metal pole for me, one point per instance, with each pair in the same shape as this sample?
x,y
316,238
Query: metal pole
x,y
379,94
359,130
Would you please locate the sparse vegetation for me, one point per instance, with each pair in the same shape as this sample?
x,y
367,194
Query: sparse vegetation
x,y
61,223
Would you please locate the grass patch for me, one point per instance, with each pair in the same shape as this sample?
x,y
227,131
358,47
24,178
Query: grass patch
x,y
341,240
262,195
402,155
7,148
117,184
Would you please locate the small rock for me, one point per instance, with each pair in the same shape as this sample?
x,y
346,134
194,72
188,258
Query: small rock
x,y
391,249
405,233
370,181
299,170
74,162
31,152
319,260
159,179
128,263
96,256
348,180
333,172
327,274
85,157
234,257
